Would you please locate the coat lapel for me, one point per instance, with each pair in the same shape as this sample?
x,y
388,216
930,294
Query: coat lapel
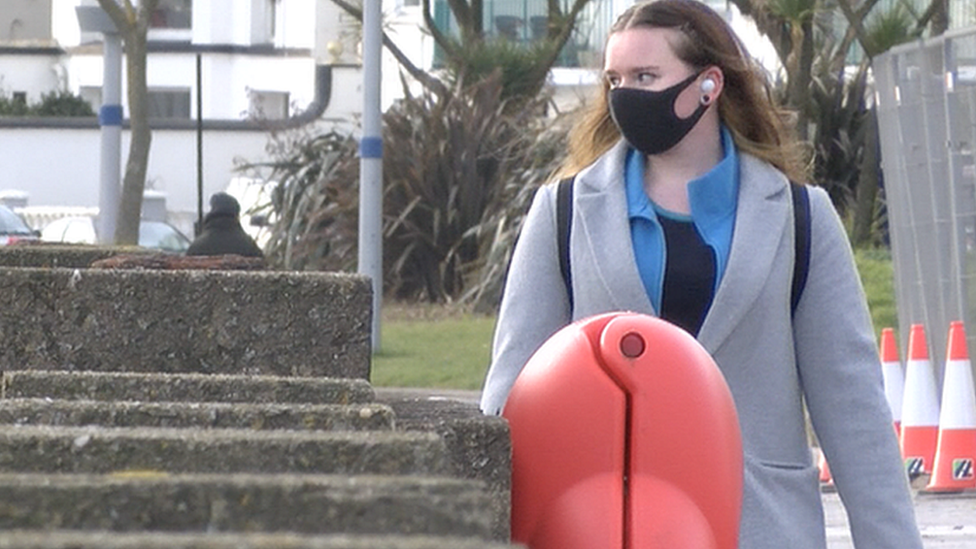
x,y
606,252
760,226
606,248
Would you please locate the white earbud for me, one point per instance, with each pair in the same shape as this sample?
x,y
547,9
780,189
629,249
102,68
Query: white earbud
x,y
707,85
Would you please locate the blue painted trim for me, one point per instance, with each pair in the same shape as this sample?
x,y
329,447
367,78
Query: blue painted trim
x,y
110,115
371,147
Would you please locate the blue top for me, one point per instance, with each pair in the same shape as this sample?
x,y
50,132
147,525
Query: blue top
x,y
712,198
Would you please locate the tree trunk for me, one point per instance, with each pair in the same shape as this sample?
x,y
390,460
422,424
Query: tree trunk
x,y
868,182
134,180
133,25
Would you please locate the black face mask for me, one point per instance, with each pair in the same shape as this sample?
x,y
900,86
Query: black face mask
x,y
647,119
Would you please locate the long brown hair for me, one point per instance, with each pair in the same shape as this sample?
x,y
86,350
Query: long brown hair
x,y
746,106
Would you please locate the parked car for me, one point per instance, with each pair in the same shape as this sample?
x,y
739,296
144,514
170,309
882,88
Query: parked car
x,y
81,230
13,229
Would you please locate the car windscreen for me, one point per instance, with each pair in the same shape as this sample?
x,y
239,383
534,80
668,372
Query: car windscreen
x,y
153,234
11,224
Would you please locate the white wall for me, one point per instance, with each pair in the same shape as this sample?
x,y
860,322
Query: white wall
x,y
28,157
34,74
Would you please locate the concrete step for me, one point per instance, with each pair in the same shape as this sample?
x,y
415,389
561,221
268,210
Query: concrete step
x,y
302,504
312,324
118,386
326,417
73,539
46,449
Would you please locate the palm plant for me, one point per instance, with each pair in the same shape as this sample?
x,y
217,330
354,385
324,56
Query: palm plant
x,y
447,163
452,158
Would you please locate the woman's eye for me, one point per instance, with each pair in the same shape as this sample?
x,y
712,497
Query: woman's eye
x,y
613,81
645,78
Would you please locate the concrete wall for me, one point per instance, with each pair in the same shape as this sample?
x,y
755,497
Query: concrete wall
x,y
27,156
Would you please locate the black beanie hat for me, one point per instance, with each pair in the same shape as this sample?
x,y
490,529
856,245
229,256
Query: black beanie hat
x,y
224,204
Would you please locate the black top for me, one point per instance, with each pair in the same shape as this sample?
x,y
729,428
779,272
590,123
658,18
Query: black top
x,y
689,275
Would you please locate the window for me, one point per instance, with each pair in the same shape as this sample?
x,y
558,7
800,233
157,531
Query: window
x,y
169,103
270,105
172,14
93,95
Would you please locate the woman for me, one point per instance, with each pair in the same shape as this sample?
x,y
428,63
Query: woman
x,y
689,217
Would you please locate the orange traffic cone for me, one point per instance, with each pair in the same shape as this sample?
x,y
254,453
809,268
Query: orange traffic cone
x,y
920,407
825,479
894,377
953,470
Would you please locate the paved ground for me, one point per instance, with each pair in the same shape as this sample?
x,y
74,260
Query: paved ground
x,y
946,521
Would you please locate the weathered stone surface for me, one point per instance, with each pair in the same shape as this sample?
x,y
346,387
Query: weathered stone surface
x,y
245,503
478,446
325,417
228,262
45,449
73,539
67,256
281,323
121,386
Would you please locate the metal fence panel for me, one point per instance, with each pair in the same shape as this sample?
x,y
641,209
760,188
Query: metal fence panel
x,y
926,100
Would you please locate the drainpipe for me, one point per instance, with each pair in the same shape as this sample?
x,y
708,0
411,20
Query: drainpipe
x,y
323,94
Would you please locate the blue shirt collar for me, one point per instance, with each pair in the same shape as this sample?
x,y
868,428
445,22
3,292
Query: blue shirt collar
x,y
712,196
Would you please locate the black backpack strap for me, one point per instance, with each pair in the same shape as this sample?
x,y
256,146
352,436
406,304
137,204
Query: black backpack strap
x,y
564,225
801,241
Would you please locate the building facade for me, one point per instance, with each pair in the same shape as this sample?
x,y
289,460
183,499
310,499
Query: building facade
x,y
261,65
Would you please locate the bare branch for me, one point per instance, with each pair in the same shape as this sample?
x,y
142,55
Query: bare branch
x,y
439,38
428,81
935,11
856,21
423,77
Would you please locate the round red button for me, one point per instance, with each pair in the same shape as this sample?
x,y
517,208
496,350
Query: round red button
x,y
632,345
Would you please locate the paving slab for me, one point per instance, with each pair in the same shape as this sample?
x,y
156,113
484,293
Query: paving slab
x,y
302,504
184,387
47,449
324,417
946,521
169,540
230,322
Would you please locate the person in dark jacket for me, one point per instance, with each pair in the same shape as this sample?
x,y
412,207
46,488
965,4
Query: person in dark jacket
x,y
222,232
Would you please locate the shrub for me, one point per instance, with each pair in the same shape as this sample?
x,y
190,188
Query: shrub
x,y
62,103
455,173
56,103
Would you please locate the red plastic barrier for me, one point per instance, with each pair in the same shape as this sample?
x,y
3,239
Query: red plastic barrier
x,y
624,435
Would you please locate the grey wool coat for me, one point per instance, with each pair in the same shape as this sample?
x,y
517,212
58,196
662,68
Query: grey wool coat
x,y
825,354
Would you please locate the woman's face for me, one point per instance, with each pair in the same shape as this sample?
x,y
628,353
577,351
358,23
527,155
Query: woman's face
x,y
642,57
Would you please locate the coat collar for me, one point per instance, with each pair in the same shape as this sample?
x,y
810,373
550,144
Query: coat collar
x,y
761,224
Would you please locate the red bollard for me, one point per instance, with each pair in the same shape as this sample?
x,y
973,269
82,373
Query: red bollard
x,y
624,435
